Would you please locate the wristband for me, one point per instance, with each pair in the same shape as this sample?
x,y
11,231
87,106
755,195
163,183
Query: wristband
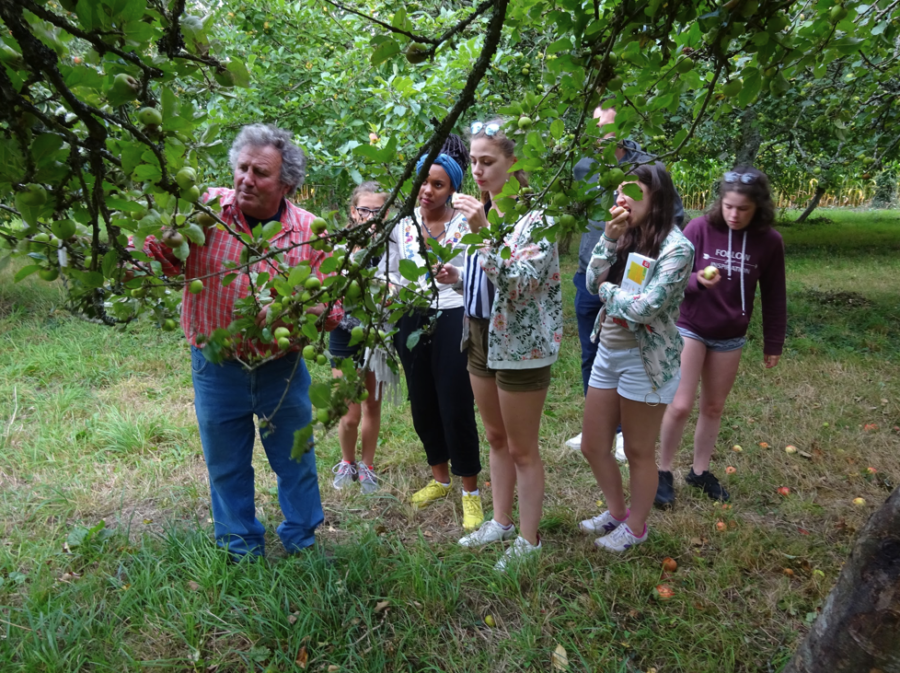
x,y
611,240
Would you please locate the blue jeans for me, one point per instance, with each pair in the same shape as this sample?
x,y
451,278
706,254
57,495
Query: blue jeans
x,y
587,308
226,396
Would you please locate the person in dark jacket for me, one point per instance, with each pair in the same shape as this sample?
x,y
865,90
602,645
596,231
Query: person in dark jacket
x,y
587,305
735,249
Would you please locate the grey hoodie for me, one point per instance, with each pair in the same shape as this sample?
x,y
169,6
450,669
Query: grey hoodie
x,y
633,153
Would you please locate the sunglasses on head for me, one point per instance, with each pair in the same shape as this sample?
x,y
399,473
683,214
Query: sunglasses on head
x,y
489,129
743,178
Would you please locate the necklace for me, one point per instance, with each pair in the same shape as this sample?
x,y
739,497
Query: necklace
x,y
440,234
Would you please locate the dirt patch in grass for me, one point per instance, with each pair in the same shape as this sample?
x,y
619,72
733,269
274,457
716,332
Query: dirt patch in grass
x,y
839,299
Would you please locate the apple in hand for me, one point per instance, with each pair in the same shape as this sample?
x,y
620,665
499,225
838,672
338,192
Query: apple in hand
x,y
710,272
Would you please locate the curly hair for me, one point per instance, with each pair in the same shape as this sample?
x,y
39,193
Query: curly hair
x,y
293,160
505,144
759,191
455,148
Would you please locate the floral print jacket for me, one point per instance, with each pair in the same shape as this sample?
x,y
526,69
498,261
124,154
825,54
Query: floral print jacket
x,y
652,314
526,323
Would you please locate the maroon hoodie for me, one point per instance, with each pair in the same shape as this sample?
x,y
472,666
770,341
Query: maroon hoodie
x,y
723,312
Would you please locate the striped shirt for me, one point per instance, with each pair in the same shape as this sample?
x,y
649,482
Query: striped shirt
x,y
213,308
478,291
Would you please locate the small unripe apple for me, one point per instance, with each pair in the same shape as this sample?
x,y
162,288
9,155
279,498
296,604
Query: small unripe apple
x,y
32,195
196,286
489,620
192,194
186,177
149,116
790,448
206,220
309,352
710,272
126,86
172,238
312,283
524,123
282,333
318,226
859,502
284,343
737,448
323,415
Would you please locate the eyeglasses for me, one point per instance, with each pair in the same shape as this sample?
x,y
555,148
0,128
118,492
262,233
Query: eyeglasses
x,y
743,178
366,213
491,129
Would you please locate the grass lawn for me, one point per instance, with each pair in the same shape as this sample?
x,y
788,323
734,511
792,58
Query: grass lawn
x,y
97,425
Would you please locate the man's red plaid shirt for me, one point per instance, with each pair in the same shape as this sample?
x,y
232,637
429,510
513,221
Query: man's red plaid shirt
x,y
213,308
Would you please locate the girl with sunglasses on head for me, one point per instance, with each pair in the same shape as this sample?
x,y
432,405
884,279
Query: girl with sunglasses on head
x,y
365,202
736,249
513,313
440,395
636,369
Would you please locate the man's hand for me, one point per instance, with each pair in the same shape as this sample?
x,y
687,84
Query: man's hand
x,y
448,275
618,224
771,360
473,209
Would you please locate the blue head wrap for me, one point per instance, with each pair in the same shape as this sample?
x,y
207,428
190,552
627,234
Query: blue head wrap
x,y
449,164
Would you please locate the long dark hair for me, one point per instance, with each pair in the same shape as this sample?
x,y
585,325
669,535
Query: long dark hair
x,y
647,238
759,191
506,145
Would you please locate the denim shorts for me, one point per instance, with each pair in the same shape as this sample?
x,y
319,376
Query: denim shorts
x,y
624,371
717,345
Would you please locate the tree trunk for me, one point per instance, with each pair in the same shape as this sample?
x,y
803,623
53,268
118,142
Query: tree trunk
x,y
859,628
820,191
749,141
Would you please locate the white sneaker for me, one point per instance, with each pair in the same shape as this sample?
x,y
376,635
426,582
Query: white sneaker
x,y
490,531
518,551
368,480
344,475
620,448
574,443
601,524
620,539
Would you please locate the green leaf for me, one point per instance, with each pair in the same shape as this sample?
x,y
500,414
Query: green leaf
x,y
228,279
299,274
169,103
320,395
109,263
45,147
329,265
303,442
271,229
633,191
409,270
384,51
505,253
413,339
557,129
240,72
25,271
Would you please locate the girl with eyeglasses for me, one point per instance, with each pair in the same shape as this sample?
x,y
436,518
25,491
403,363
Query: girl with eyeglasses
x,y
636,369
736,250
513,314
443,409
365,202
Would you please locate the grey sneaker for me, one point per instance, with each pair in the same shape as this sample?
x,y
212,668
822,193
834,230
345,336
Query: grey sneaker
x,y
621,539
620,448
344,475
601,524
520,550
368,481
490,531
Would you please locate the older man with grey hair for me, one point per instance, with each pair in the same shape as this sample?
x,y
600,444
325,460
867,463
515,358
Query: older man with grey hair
x,y
268,167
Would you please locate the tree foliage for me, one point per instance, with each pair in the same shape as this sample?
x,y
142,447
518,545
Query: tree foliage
x,y
118,111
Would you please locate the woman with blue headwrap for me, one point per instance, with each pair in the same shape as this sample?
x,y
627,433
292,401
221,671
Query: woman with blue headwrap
x,y
443,408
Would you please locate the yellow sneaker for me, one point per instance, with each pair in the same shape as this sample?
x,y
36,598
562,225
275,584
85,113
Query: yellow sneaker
x,y
434,491
473,515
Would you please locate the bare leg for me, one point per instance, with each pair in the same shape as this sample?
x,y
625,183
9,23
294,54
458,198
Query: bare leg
x,y
678,413
348,429
719,373
522,413
640,425
371,421
503,469
601,417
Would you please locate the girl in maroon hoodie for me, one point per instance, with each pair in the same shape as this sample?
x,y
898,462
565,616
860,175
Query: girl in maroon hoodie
x,y
735,248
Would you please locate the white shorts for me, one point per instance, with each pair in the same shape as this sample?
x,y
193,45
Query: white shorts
x,y
624,371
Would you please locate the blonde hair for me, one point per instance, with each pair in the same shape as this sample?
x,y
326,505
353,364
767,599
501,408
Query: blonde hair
x,y
368,187
506,145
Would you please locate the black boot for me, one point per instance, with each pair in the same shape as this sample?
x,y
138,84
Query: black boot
x,y
708,482
665,492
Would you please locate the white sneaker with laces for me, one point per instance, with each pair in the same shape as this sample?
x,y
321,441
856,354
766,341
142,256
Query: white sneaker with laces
x,y
620,539
344,475
519,550
620,448
601,524
574,443
490,531
368,480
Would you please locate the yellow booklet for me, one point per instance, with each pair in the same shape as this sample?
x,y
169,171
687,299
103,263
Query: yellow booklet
x,y
638,270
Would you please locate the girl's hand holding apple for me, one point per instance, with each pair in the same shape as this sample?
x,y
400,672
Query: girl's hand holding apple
x,y
472,208
448,275
709,277
618,224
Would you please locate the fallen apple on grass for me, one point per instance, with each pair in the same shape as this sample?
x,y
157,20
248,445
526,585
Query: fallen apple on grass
x,y
669,564
790,448
730,469
737,448
721,526
859,502
663,592
784,490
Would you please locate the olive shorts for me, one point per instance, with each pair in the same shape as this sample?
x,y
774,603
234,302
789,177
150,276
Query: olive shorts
x,y
510,380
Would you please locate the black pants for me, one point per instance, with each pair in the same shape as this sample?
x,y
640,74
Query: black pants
x,y
440,394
